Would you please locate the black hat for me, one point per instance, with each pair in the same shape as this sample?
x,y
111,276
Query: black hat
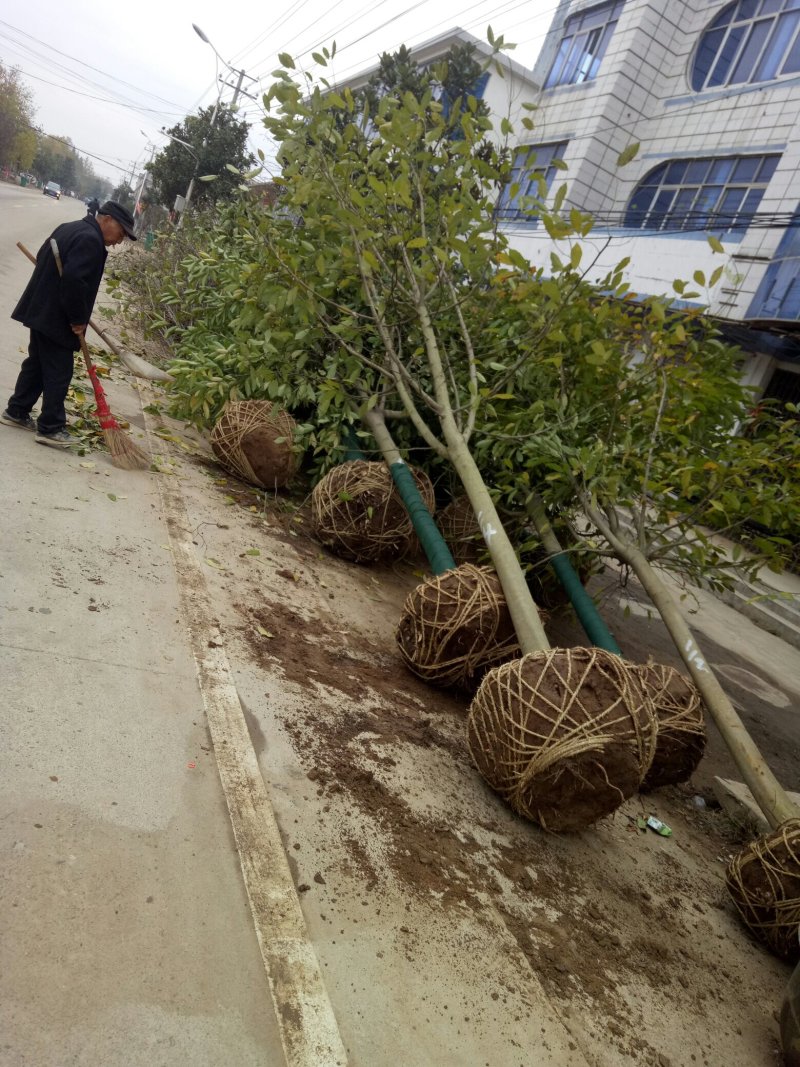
x,y
120,214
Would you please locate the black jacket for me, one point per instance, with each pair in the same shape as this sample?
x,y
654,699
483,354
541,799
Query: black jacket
x,y
51,304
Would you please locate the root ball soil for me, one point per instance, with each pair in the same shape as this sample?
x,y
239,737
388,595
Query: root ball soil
x,y
565,736
254,440
357,512
455,626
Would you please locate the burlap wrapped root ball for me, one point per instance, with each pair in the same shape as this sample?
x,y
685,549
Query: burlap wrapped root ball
x,y
679,710
455,626
460,529
564,736
255,441
357,512
764,883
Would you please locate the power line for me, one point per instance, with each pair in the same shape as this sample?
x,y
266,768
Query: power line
x,y
89,66
91,96
80,151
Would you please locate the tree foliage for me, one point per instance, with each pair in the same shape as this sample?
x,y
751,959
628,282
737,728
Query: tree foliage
x,y
602,405
386,289
213,150
16,117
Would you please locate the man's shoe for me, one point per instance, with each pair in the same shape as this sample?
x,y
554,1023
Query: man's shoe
x,y
23,424
58,439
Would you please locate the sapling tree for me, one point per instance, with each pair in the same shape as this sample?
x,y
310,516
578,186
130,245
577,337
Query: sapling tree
x,y
405,208
628,414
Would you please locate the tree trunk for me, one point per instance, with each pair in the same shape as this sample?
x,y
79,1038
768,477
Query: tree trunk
x,y
427,531
767,791
582,604
524,613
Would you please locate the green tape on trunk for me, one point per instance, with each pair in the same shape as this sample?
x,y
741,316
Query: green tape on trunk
x,y
433,543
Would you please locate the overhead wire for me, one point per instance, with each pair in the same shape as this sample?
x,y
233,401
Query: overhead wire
x,y
91,96
83,63
82,151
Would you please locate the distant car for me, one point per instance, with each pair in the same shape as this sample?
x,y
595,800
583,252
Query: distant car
x,y
52,189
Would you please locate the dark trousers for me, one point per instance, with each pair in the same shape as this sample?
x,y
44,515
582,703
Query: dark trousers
x,y
46,373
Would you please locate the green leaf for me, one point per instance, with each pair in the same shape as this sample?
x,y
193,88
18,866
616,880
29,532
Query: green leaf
x,y
628,154
715,243
417,242
699,277
286,60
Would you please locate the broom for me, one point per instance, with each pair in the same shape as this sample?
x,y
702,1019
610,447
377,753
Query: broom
x,y
135,364
125,453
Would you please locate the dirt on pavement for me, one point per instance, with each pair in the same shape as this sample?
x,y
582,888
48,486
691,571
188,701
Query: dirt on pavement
x,y
387,825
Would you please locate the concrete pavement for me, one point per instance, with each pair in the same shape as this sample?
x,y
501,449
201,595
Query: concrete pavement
x,y
127,935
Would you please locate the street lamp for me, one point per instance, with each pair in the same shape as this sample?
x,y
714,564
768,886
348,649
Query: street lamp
x,y
238,91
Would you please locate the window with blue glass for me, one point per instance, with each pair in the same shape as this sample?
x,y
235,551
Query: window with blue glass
x,y
719,194
586,37
749,41
532,174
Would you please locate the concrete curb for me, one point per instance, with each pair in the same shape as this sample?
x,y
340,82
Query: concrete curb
x,y
308,1028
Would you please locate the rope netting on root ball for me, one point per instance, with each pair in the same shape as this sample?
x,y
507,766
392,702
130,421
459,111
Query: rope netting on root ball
x,y
564,736
455,626
255,441
461,531
679,710
357,512
764,883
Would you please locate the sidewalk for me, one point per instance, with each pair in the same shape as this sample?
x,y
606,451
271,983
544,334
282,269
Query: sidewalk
x,y
127,935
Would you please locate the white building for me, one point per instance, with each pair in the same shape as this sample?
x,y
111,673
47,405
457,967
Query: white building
x,y
711,91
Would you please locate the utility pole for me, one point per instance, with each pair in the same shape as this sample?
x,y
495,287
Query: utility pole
x,y
237,89
143,183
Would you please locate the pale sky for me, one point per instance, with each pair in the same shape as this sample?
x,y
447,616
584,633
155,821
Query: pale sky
x,y
109,76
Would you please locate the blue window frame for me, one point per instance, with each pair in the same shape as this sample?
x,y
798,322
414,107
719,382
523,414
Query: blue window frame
x,y
701,194
586,37
749,41
532,173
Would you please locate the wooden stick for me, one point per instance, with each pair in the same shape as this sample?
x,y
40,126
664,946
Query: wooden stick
x,y
135,364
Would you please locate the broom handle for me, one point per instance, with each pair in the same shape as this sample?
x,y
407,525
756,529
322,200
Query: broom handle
x,y
114,347
103,410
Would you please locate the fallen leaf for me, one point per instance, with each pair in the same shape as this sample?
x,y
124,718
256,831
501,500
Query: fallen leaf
x,y
111,496
253,552
87,466
229,500
265,633
213,563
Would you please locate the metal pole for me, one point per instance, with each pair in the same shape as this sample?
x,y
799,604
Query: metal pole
x,y
187,200
144,181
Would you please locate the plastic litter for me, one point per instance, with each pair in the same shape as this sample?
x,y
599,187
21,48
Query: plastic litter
x,y
658,826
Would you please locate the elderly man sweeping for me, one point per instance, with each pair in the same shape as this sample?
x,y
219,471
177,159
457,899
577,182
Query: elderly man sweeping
x,y
57,309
